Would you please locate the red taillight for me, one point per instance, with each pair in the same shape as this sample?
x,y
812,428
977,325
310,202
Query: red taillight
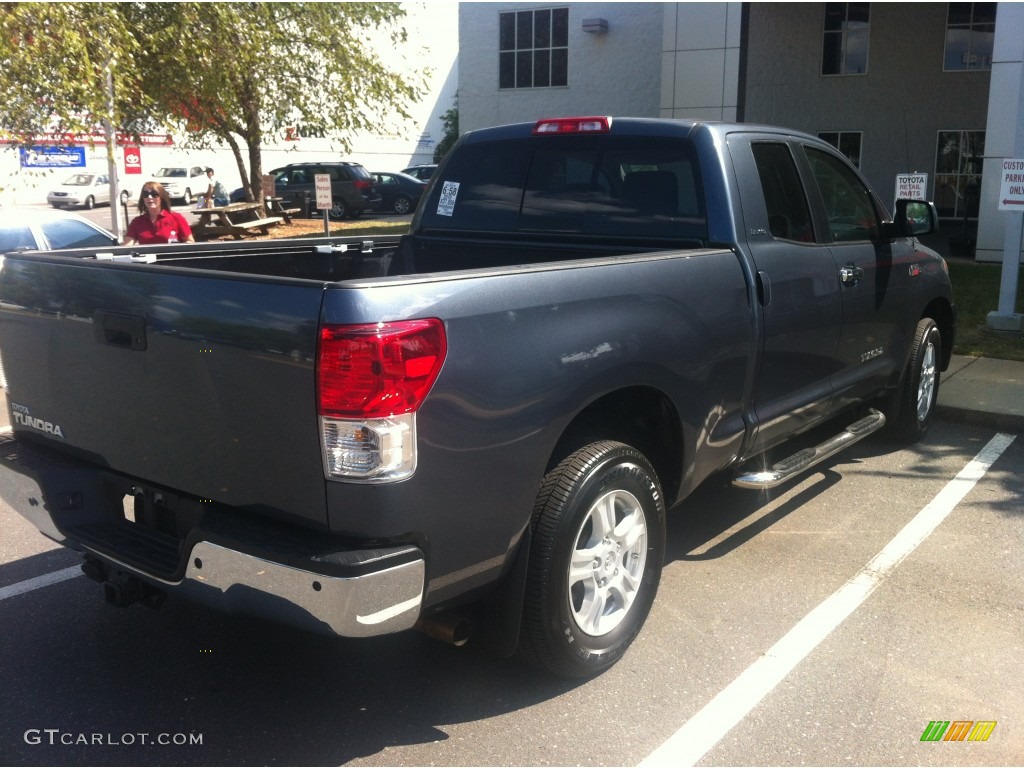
x,y
573,125
375,371
363,185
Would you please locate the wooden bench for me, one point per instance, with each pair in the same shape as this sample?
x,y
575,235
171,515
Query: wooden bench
x,y
237,231
235,219
274,206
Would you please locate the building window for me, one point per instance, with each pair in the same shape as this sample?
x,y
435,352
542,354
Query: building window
x,y
533,48
845,44
958,164
847,142
970,31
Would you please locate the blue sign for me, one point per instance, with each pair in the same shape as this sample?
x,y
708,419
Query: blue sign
x,y
53,157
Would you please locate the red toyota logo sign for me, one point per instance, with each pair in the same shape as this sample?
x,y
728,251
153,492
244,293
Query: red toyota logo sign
x,y
132,160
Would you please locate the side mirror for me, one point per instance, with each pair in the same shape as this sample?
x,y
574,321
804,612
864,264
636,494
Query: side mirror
x,y
913,218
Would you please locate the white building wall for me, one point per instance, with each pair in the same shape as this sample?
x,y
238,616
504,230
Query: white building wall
x,y
700,60
617,72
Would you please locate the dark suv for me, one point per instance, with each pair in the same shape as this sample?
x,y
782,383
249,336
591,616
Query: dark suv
x,y
353,189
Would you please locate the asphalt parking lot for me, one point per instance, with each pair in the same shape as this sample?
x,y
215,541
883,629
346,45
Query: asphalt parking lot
x,y
746,660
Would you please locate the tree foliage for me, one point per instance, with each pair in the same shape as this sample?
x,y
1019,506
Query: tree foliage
x,y
232,73
53,67
450,119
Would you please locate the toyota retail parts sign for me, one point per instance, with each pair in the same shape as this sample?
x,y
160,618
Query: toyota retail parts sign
x,y
912,186
132,160
1011,186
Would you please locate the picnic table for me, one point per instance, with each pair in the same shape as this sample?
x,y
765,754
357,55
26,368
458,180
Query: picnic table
x,y
235,219
276,207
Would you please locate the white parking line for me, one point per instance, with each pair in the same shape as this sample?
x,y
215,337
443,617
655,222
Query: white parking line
x,y
706,728
13,590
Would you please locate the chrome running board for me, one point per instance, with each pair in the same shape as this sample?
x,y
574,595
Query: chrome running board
x,y
808,457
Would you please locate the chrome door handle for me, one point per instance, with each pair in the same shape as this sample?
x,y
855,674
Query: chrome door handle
x,y
850,274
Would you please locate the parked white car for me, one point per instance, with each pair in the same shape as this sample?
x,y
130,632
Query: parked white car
x,y
84,188
183,182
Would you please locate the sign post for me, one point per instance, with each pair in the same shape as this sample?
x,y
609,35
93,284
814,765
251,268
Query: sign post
x,y
323,197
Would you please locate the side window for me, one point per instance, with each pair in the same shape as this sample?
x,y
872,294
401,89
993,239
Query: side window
x,y
789,217
848,204
16,237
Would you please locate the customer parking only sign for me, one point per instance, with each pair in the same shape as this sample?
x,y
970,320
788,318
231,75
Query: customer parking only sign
x,y
1011,186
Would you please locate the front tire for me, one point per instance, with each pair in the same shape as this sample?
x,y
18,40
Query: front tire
x,y
90,203
186,199
595,560
913,406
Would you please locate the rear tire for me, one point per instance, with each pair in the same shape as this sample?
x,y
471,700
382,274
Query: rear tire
x,y
912,408
402,205
90,203
338,210
595,560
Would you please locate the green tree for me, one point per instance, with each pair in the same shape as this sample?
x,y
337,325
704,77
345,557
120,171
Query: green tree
x,y
239,72
232,73
53,66
58,76
451,133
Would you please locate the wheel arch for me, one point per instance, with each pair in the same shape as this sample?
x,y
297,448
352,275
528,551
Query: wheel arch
x,y
941,311
640,416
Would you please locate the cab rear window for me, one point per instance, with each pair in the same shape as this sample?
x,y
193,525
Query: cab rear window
x,y
628,187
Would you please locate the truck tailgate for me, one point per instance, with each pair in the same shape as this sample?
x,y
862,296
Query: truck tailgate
x,y
200,382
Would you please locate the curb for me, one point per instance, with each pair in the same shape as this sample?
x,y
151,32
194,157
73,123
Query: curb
x,y
1003,422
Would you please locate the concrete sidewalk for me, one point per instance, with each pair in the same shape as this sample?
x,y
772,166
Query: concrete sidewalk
x,y
984,392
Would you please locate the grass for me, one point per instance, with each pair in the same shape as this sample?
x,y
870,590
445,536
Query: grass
x,y
315,228
976,292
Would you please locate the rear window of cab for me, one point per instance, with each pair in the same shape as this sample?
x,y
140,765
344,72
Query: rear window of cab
x,y
617,186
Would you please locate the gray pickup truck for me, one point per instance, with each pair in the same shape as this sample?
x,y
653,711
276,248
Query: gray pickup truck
x,y
474,429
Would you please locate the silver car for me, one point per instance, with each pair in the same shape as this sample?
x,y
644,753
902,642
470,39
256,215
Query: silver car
x,y
84,188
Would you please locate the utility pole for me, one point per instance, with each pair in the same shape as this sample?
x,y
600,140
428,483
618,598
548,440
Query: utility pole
x,y
111,141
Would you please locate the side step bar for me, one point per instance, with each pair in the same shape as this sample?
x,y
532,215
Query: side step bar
x,y
808,457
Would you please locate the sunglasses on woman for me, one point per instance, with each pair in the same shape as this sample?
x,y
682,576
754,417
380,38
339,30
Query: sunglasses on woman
x,y
150,193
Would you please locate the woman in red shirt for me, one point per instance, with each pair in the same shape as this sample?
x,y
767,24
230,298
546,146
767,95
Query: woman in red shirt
x,y
158,223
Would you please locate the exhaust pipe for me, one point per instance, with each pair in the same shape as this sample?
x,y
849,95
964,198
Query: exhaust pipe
x,y
446,627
